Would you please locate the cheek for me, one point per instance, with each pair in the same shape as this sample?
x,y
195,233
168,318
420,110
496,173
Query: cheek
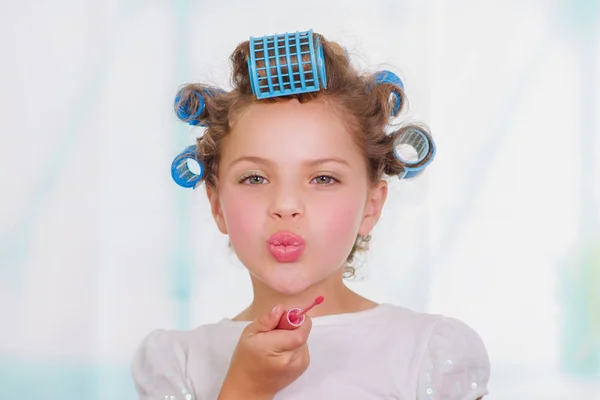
x,y
339,222
242,218
333,222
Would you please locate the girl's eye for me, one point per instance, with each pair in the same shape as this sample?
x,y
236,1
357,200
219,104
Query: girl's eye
x,y
326,180
254,180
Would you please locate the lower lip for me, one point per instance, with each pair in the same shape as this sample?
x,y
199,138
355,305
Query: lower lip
x,y
286,246
286,253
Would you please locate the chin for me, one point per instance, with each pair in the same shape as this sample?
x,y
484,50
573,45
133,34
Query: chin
x,y
289,287
291,278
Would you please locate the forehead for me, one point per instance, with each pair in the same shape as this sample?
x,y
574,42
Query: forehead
x,y
291,130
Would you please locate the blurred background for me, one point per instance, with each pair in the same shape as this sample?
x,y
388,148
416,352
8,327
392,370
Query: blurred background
x,y
98,246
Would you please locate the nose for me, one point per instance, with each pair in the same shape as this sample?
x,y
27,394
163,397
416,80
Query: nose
x,y
286,204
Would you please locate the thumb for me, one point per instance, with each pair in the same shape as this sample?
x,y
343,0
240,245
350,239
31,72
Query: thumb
x,y
267,322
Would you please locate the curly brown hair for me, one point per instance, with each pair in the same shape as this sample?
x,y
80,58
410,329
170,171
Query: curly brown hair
x,y
365,106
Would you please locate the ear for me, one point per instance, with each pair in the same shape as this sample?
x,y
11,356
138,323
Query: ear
x,y
216,209
375,201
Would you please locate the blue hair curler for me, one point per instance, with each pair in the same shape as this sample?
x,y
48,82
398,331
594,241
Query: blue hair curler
x,y
424,146
282,70
180,170
183,110
390,77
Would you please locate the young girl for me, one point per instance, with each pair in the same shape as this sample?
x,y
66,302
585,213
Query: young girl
x,y
293,160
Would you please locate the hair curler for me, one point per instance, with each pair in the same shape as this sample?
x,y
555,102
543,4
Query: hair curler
x,y
422,144
180,171
392,78
277,65
189,111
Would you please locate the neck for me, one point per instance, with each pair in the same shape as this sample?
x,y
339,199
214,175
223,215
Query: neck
x,y
339,299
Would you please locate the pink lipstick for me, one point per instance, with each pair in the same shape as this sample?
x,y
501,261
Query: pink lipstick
x,y
286,246
294,317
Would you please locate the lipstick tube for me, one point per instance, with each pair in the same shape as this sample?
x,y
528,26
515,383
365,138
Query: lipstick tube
x,y
290,321
294,317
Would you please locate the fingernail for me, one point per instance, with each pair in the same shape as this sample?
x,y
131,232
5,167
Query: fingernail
x,y
274,310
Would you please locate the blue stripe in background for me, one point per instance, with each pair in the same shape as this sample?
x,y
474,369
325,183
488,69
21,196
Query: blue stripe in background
x,y
21,380
580,276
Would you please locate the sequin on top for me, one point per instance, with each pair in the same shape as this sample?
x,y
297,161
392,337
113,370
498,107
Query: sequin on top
x,y
455,365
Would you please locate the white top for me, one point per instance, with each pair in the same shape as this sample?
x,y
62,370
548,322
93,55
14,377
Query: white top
x,y
387,352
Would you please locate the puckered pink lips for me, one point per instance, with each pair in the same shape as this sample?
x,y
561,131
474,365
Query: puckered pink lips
x,y
286,246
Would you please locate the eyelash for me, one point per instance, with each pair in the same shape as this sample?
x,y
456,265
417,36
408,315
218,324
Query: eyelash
x,y
333,179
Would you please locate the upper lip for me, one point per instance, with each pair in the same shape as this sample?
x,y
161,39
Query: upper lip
x,y
286,238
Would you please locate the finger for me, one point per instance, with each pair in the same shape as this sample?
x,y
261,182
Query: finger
x,y
266,322
281,340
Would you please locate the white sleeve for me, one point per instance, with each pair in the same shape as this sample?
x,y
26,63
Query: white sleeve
x,y
455,365
158,368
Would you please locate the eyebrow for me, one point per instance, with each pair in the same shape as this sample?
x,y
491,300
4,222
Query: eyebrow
x,y
308,163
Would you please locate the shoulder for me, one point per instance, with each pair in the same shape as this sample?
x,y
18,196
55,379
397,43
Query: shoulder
x,y
448,361
455,363
413,324
159,366
432,332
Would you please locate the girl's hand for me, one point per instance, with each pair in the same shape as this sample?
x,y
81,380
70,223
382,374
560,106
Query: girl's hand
x,y
266,359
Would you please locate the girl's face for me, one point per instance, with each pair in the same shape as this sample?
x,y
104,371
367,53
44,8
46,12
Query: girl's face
x,y
293,167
